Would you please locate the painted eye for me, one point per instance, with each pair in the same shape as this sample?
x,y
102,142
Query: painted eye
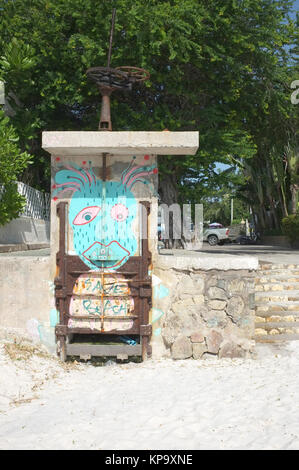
x,y
86,215
119,212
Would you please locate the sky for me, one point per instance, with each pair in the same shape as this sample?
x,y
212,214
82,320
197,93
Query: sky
x,y
296,5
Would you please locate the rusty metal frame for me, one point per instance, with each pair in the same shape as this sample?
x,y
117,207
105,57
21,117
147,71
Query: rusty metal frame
x,y
70,267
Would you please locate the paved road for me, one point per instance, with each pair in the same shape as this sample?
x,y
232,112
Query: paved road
x,y
42,252
272,254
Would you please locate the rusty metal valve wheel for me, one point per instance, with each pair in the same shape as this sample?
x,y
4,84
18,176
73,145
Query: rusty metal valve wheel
x,y
136,74
119,77
106,76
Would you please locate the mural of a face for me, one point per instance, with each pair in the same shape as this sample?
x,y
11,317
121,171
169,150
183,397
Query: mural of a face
x,y
101,220
101,214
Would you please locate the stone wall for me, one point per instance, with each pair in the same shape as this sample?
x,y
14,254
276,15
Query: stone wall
x,y
199,312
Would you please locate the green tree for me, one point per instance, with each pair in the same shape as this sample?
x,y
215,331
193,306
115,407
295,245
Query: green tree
x,y
12,163
220,67
271,175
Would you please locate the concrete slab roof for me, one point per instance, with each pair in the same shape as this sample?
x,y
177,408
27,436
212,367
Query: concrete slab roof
x,y
73,143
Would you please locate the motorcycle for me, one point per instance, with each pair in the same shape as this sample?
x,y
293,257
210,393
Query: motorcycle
x,y
248,239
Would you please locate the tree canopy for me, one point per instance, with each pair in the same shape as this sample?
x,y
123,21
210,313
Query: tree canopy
x,y
223,67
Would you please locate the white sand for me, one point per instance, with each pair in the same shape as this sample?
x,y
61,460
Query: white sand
x,y
212,404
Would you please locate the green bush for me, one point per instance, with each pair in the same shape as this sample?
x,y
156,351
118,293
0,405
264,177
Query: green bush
x,y
11,203
12,162
290,228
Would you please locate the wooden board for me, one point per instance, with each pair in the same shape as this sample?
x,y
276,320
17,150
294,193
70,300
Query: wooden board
x,y
97,350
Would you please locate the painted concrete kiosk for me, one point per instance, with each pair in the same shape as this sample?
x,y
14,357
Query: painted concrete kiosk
x,y
104,237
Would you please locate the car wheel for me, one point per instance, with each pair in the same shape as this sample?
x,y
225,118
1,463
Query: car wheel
x,y
213,240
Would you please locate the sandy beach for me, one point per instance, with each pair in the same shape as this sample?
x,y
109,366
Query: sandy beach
x,y
208,404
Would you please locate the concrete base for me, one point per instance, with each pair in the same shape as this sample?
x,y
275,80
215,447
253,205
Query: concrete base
x,y
183,260
25,291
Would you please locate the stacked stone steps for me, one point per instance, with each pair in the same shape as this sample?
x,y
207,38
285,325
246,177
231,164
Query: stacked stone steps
x,y
277,297
277,303
277,287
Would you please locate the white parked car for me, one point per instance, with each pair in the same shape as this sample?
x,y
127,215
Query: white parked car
x,y
215,236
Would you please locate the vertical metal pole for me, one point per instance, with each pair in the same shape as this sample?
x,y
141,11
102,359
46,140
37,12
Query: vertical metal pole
x,y
105,119
141,227
111,37
146,255
61,212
